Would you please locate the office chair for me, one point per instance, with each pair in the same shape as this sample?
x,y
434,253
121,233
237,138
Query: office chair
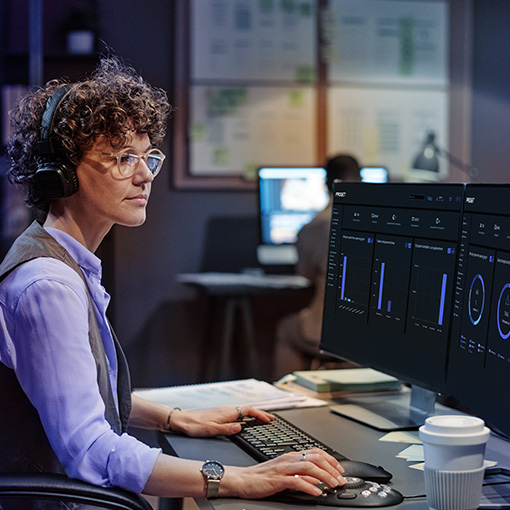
x,y
50,486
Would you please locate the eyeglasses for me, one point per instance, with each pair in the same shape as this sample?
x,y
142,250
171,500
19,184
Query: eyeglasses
x,y
128,160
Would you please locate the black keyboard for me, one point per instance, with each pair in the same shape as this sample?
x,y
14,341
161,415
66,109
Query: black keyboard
x,y
265,441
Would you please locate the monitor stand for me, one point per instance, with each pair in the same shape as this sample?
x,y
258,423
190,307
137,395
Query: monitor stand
x,y
406,410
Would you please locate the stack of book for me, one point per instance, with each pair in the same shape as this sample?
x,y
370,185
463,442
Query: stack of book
x,y
332,383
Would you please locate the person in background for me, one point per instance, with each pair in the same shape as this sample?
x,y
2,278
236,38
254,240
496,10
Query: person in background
x,y
85,155
298,334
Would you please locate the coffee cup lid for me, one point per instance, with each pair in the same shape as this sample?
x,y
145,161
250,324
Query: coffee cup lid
x,y
454,430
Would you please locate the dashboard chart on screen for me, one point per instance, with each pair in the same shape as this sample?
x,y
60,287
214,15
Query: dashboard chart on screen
x,y
391,278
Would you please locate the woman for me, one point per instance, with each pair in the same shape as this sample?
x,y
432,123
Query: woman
x,y
84,155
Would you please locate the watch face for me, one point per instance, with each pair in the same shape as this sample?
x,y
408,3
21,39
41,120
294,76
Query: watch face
x,y
213,469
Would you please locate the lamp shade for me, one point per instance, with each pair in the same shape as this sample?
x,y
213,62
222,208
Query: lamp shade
x,y
426,162
428,157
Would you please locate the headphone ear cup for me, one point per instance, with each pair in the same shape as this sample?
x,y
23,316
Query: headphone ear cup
x,y
57,180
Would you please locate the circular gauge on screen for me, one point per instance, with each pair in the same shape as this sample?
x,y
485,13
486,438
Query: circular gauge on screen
x,y
476,299
503,317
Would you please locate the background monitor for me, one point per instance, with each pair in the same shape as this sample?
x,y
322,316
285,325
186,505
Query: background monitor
x,y
479,369
374,174
289,197
390,289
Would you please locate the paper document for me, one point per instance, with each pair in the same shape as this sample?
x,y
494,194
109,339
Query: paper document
x,y
413,453
259,394
402,436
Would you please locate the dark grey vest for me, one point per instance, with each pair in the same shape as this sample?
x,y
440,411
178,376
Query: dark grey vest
x,y
23,443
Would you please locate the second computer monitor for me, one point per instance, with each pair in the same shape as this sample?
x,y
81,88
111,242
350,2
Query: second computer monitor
x,y
479,370
377,174
289,197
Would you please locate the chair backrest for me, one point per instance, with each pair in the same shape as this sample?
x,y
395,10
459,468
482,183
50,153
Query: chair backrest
x,y
47,486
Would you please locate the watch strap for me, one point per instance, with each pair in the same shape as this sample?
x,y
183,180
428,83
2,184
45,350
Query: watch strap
x,y
213,487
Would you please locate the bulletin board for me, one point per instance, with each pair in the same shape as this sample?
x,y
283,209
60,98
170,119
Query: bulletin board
x,y
385,127
290,82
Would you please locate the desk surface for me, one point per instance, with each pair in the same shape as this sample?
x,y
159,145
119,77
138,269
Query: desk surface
x,y
244,283
353,440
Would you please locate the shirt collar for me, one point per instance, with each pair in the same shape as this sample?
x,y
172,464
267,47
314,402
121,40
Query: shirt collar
x,y
84,257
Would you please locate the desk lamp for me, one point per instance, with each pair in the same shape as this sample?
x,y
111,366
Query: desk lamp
x,y
428,158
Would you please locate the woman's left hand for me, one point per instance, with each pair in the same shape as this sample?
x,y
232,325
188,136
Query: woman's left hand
x,y
214,422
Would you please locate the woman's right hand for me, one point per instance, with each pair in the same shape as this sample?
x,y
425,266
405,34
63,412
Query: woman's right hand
x,y
288,471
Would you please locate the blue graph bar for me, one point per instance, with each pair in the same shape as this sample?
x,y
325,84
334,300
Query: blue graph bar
x,y
381,281
389,305
441,305
344,270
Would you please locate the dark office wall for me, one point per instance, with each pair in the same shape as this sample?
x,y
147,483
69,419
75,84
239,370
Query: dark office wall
x,y
491,90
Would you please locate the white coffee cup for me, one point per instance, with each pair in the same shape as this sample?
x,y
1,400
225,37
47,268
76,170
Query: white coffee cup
x,y
454,450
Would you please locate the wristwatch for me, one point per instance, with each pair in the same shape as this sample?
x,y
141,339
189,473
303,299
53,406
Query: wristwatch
x,y
213,472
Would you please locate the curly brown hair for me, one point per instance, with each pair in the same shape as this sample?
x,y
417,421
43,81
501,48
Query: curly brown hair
x,y
112,102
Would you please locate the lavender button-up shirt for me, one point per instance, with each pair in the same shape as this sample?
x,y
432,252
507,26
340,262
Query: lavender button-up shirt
x,y
44,338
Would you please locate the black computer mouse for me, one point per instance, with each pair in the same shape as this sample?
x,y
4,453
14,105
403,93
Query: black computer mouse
x,y
355,493
366,471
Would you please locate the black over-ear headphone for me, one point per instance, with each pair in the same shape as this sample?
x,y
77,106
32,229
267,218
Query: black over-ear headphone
x,y
56,176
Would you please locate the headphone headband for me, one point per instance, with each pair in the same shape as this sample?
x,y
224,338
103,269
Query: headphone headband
x,y
45,147
56,176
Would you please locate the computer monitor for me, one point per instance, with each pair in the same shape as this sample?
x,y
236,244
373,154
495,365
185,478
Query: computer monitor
x,y
479,369
390,289
374,174
289,197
